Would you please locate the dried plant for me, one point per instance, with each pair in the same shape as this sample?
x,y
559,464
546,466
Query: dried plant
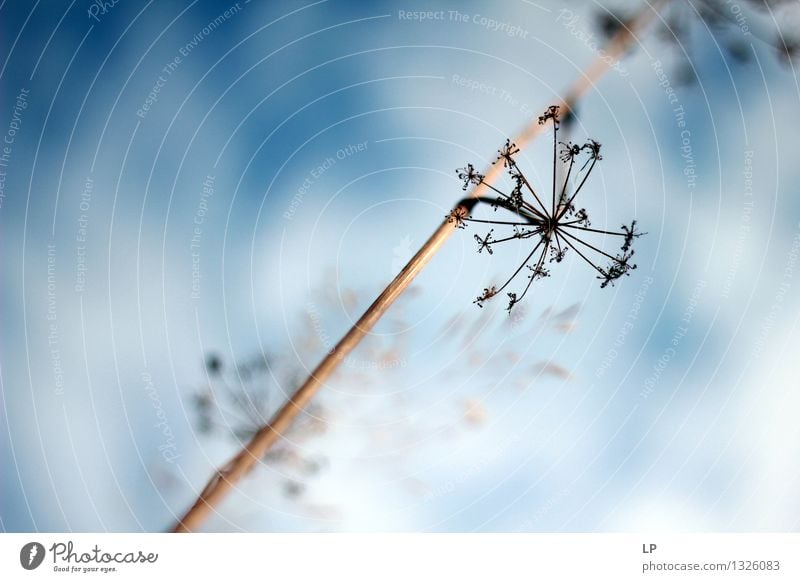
x,y
774,22
237,398
237,401
552,226
225,478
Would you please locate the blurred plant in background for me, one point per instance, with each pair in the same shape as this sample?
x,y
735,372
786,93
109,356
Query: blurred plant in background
x,y
732,22
241,397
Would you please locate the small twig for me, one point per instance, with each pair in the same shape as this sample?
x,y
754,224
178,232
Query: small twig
x,y
226,478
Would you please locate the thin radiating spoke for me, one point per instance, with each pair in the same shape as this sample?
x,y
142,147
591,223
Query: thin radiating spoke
x,y
578,189
566,181
530,188
524,203
525,262
533,275
528,234
588,245
497,222
595,267
571,225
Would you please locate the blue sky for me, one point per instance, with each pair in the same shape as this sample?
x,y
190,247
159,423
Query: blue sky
x,y
326,135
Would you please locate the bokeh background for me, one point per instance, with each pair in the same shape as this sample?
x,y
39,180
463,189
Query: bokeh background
x,y
198,199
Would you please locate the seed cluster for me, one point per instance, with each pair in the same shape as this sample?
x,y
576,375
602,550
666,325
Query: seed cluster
x,y
552,228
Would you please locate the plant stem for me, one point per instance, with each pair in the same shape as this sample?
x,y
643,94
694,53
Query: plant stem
x,y
225,479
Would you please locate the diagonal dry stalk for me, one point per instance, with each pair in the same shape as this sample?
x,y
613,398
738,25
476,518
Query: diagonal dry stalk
x,y
225,478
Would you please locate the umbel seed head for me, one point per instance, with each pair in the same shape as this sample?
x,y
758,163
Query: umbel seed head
x,y
551,228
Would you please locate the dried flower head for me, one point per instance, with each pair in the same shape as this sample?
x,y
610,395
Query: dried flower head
x,y
553,228
469,176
